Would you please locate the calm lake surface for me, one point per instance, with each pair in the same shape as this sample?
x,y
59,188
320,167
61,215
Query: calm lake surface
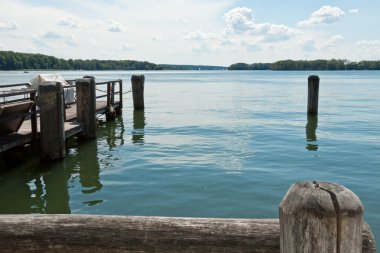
x,y
209,144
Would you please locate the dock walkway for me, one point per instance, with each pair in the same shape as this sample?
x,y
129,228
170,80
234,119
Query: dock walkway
x,y
27,133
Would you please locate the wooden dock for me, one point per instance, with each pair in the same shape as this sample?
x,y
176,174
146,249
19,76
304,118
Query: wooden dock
x,y
108,103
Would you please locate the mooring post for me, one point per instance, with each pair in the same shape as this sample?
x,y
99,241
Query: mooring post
x,y
320,217
86,106
120,107
33,117
110,114
138,91
313,94
52,120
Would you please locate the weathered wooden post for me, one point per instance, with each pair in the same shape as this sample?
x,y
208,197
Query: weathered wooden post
x,y
320,217
86,106
33,117
313,94
138,91
120,107
110,114
52,120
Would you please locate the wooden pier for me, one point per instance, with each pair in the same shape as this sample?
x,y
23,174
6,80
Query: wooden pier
x,y
27,115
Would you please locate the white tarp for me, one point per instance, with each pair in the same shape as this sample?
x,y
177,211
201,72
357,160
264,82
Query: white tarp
x,y
39,79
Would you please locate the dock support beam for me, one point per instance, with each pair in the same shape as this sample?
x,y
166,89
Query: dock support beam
x,y
138,91
313,95
52,120
86,106
120,107
110,114
320,217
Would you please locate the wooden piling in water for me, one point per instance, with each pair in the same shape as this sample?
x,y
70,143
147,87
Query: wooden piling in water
x,y
320,217
86,106
110,114
138,91
33,117
52,120
120,107
313,94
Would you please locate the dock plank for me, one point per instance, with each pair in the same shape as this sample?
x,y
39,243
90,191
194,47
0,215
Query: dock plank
x,y
14,140
72,127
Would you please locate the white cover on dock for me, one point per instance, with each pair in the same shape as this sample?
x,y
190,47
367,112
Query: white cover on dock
x,y
39,79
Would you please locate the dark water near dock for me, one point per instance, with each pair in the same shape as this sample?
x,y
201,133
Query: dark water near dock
x,y
209,144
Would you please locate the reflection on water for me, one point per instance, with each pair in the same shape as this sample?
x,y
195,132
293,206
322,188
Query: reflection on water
x,y
56,196
311,136
114,132
34,187
89,173
23,190
138,127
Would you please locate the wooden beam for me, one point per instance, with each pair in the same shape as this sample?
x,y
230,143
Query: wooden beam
x,y
95,233
52,120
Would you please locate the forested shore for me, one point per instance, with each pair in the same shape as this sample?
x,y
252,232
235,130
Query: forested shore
x,y
25,61
309,65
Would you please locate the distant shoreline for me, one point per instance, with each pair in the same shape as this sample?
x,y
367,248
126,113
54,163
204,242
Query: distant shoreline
x,y
14,61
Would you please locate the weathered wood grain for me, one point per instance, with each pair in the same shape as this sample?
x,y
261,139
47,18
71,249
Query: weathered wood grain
x,y
320,217
94,233
86,106
120,107
313,95
52,120
138,91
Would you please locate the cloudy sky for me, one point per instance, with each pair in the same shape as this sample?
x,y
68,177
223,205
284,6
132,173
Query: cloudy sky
x,y
215,32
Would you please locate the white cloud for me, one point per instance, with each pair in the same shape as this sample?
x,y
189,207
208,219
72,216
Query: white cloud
x,y
181,20
157,38
369,43
199,35
333,42
51,35
68,21
251,46
354,11
8,25
368,49
40,42
127,47
72,40
2,47
114,26
308,44
240,20
325,15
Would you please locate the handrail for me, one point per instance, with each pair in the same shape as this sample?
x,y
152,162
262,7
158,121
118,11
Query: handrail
x,y
12,93
21,115
69,86
106,82
14,85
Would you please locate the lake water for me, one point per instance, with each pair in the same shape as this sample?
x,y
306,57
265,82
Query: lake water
x,y
209,144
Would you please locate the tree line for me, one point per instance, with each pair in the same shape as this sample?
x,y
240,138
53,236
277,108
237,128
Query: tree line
x,y
332,64
10,60
23,61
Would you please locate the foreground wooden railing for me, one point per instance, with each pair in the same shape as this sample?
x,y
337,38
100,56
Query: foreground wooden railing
x,y
97,233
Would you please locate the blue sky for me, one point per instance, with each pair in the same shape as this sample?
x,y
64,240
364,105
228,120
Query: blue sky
x,y
215,32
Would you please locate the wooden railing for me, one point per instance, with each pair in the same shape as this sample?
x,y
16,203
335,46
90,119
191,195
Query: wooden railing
x,y
13,97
